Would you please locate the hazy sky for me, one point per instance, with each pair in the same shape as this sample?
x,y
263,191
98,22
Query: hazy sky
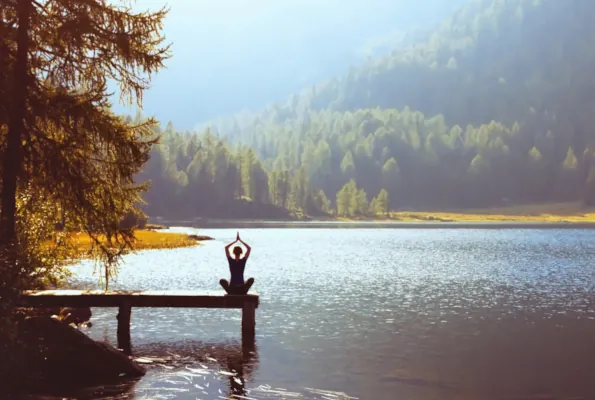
x,y
235,54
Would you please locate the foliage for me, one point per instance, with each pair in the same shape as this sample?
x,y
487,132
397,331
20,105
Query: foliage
x,y
418,161
491,108
45,259
134,219
68,148
66,161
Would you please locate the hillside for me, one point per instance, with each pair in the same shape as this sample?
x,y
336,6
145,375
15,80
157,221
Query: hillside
x,y
230,55
492,60
495,107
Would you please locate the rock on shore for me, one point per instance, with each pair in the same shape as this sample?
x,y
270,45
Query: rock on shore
x,y
58,354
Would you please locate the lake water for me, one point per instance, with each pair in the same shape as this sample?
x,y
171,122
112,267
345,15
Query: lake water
x,y
371,314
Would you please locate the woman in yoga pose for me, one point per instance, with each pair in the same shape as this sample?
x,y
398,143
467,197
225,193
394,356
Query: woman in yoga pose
x,y
237,264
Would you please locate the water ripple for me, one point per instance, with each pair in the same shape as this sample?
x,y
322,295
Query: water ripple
x,y
376,313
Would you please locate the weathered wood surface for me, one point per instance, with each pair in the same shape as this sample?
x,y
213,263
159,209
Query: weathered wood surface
x,y
135,298
123,317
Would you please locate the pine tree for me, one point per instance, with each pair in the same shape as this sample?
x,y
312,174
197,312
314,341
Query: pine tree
x,y
381,206
348,166
535,156
75,153
320,204
361,202
345,199
570,162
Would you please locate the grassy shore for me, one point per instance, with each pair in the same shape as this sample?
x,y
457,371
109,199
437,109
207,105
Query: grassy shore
x,y
145,239
556,212
80,243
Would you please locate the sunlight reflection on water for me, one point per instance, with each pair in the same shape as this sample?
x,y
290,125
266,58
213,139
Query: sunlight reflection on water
x,y
373,313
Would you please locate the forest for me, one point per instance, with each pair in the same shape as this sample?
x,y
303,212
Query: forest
x,y
493,108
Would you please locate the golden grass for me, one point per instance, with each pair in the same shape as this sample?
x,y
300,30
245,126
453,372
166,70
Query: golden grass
x,y
571,212
556,212
145,239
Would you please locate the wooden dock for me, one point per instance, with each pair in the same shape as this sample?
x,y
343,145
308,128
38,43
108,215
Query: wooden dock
x,y
126,299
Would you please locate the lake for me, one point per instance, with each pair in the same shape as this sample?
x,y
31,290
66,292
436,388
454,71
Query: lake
x,y
370,313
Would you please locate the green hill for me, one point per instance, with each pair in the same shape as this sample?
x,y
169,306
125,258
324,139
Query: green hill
x,y
494,107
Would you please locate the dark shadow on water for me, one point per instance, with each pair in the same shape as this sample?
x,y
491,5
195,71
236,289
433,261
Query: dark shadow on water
x,y
231,361
113,391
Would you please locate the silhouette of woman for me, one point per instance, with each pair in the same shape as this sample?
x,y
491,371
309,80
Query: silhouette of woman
x,y
237,264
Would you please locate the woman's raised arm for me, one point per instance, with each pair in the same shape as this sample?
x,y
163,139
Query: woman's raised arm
x,y
248,248
227,249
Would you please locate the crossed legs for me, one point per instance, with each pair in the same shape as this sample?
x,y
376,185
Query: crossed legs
x,y
236,289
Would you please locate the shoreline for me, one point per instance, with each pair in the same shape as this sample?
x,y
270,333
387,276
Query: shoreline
x,y
553,215
388,224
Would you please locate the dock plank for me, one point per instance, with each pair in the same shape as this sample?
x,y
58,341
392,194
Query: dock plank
x,y
135,298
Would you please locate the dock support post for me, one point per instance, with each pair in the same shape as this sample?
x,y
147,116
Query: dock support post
x,y
123,317
248,319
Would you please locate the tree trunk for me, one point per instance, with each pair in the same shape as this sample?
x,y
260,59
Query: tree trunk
x,y
11,165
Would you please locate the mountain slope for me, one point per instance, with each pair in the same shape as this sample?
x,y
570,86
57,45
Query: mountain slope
x,y
494,60
510,61
496,106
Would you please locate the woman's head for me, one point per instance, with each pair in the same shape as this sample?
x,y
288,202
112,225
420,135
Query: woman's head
x,y
237,251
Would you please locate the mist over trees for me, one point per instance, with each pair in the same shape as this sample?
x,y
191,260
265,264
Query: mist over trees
x,y
244,54
494,107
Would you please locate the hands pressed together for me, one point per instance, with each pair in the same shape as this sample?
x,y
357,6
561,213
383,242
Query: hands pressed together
x,y
240,240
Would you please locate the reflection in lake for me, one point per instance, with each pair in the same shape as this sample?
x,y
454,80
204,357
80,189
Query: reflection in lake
x,y
198,369
373,313
191,368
